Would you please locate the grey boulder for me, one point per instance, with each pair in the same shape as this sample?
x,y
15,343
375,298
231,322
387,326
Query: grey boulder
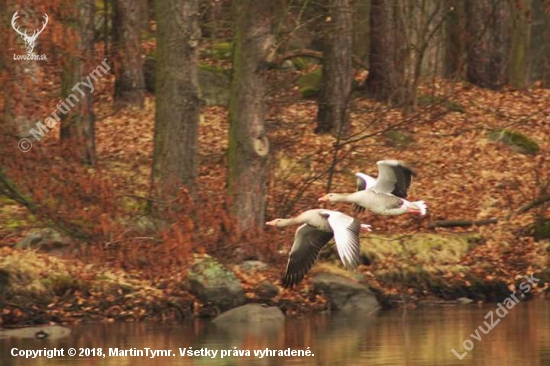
x,y
214,284
251,314
345,294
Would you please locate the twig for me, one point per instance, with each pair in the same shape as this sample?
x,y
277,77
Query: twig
x,y
535,203
461,223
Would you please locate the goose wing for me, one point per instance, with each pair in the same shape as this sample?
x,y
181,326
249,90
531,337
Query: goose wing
x,y
308,242
346,235
393,177
364,181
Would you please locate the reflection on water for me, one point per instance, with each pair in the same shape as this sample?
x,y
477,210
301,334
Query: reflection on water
x,y
424,336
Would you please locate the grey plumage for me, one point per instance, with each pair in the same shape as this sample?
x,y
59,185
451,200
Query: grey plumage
x,y
393,178
385,195
318,227
308,242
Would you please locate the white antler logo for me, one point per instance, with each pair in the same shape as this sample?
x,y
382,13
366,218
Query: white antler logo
x,y
29,40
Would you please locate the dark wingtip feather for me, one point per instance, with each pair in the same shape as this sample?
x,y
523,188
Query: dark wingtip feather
x,y
290,280
408,170
286,282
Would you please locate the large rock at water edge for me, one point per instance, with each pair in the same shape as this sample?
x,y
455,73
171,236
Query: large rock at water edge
x,y
251,314
266,290
345,294
47,240
212,283
45,332
253,265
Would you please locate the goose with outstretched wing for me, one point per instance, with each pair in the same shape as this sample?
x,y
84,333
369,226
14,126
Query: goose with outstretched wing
x,y
316,229
393,177
385,195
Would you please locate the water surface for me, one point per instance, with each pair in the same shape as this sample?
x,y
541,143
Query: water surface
x,y
423,336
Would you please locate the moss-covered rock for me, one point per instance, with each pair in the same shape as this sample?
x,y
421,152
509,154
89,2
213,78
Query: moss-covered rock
x,y
309,83
345,294
464,301
212,283
431,263
422,261
220,51
214,83
11,218
398,138
302,63
542,229
27,279
254,314
334,267
429,100
515,140
46,239
108,282
424,248
266,290
253,265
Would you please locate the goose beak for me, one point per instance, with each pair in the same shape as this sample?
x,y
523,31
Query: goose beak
x,y
270,223
324,198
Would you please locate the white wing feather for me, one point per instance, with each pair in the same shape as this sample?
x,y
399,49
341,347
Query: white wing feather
x,y
369,181
347,241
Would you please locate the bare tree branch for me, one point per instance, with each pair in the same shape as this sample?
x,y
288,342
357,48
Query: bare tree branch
x,y
460,223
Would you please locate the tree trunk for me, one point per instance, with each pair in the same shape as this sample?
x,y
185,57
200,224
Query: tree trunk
x,y
431,37
248,143
361,29
488,27
418,29
546,48
386,66
336,79
210,23
540,44
519,69
127,26
455,26
177,96
78,125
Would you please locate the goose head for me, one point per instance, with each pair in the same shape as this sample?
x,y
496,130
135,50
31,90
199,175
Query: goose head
x,y
276,222
331,197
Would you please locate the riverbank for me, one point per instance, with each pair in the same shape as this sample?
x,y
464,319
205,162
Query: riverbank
x,y
481,167
397,270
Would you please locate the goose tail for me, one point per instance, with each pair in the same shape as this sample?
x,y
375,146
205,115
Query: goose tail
x,y
418,207
366,228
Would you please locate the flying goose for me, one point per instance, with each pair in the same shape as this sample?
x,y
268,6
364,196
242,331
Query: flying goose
x,y
318,226
384,195
393,177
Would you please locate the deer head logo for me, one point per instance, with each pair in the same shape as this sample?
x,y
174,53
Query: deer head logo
x,y
29,40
